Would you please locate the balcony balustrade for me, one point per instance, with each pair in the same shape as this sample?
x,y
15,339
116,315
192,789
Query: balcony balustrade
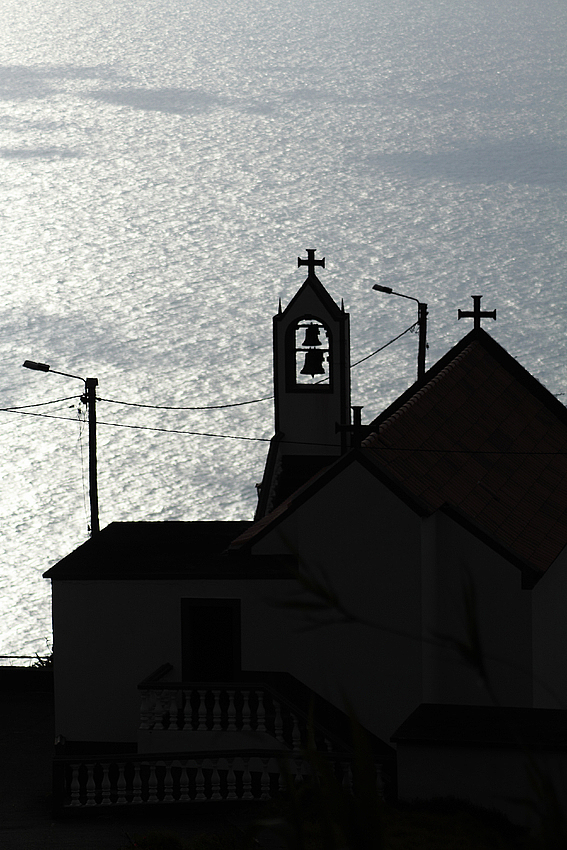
x,y
101,781
230,708
219,742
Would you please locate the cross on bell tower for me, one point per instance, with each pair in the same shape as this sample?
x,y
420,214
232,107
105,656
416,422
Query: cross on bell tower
x,y
476,313
311,262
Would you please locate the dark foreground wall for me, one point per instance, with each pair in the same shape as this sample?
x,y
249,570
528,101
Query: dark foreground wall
x,y
26,679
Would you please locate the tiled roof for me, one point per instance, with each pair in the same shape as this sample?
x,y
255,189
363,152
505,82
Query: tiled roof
x,y
483,437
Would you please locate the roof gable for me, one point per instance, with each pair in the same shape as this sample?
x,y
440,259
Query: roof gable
x,y
482,436
311,295
255,532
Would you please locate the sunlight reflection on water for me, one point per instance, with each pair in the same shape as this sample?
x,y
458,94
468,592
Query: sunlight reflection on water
x,y
164,164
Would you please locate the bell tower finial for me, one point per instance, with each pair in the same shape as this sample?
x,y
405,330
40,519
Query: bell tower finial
x,y
476,313
311,262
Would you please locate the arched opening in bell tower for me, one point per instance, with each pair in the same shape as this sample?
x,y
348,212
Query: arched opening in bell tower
x,y
309,356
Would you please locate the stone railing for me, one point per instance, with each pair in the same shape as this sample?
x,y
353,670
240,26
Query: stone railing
x,y
230,707
130,780
261,743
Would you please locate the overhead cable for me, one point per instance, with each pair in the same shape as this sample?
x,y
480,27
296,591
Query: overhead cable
x,y
41,403
382,347
250,401
296,442
170,407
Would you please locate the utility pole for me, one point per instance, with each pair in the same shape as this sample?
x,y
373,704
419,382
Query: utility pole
x,y
421,324
422,344
89,400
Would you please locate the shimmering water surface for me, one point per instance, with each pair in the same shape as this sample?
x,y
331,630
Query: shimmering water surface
x,y
163,164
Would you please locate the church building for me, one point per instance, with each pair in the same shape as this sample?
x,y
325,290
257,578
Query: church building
x,y
420,559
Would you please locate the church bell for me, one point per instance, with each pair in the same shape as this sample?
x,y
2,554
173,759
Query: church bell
x,y
311,336
313,362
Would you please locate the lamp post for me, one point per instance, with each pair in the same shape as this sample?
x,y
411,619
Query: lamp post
x,y
89,399
421,323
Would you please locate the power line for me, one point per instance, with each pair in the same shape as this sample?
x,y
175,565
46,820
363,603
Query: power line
x,y
250,401
139,427
382,347
201,407
170,407
300,442
40,403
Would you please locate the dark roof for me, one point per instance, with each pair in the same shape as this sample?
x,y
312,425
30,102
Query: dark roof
x,y
478,437
493,726
483,437
161,550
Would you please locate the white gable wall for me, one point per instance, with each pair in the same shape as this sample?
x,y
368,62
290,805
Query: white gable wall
x,y
407,575
366,542
455,564
550,636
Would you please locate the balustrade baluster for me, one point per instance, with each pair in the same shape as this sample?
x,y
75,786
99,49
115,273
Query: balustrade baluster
x,y
265,781
202,710
75,785
247,780
152,784
184,784
215,781
187,710
159,710
121,784
105,786
173,721
91,787
260,712
216,711
200,782
231,711
137,784
168,784
246,710
231,781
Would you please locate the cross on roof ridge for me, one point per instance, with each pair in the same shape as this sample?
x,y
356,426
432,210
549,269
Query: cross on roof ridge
x,y
311,262
476,313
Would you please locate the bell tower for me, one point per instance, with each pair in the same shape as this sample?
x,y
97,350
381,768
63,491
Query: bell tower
x,y
311,388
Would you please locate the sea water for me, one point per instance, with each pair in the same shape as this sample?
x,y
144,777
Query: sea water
x,y
164,164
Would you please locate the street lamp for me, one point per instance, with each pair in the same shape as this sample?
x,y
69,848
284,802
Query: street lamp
x,y
89,399
421,323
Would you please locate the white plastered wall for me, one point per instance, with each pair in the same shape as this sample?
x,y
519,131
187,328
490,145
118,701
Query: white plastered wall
x,y
549,600
109,635
459,564
363,540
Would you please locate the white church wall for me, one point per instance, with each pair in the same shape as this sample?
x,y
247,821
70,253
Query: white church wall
x,y
355,534
455,563
549,600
